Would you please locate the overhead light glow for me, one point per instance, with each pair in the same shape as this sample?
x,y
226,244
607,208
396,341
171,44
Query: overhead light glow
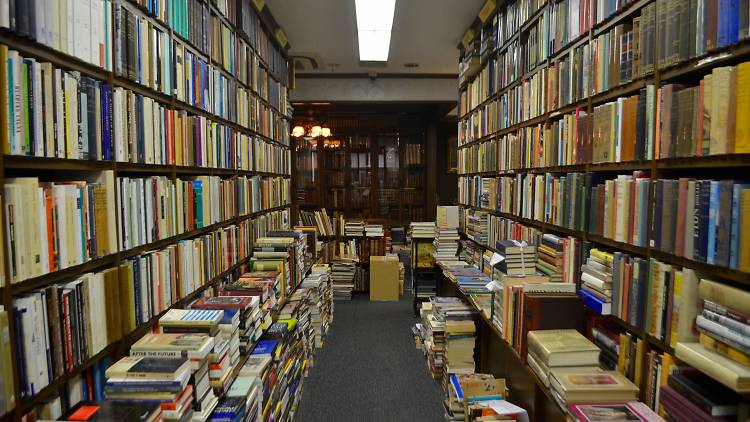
x,y
374,23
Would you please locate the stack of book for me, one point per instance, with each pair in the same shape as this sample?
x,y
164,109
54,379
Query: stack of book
x,y
196,347
558,258
460,334
354,229
591,385
342,277
433,339
723,350
630,411
265,285
374,230
446,244
234,309
274,254
114,411
596,281
567,350
153,380
260,365
207,322
320,301
422,229
516,258
241,402
246,309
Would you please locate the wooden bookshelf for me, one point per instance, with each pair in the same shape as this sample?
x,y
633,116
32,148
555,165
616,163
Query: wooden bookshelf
x,y
689,71
59,168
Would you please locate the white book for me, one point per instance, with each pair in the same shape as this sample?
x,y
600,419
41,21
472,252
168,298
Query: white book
x,y
5,13
58,87
14,228
42,227
35,120
71,118
78,226
82,31
149,209
48,124
37,14
96,45
148,132
117,132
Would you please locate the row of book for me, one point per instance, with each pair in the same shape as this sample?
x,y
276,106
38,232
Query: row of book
x,y
318,219
63,325
78,221
56,113
701,220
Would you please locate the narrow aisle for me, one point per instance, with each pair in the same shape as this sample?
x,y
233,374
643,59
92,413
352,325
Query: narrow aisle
x,y
369,369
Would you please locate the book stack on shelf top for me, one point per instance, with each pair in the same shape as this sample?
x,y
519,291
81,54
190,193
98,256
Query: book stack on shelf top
x,y
459,328
145,148
446,235
613,136
354,229
342,278
422,229
374,230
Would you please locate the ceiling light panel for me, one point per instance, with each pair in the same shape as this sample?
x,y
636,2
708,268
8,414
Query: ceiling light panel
x,y
374,23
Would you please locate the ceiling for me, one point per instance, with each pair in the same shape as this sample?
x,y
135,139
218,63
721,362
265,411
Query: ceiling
x,y
424,32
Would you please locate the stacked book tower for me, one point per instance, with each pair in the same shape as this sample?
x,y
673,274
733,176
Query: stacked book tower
x,y
432,333
320,301
422,229
596,280
354,229
374,230
457,318
342,277
446,244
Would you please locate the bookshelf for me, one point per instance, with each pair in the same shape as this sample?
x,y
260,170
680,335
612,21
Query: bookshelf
x,y
368,176
560,111
234,124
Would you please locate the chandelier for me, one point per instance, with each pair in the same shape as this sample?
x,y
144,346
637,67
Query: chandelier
x,y
312,131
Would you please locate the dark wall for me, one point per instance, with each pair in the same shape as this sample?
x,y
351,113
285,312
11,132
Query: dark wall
x,y
447,183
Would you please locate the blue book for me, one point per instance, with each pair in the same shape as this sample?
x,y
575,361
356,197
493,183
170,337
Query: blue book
x,y
457,387
734,247
712,222
594,303
265,347
703,206
106,123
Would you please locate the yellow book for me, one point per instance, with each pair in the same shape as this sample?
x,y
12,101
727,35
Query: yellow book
x,y
744,262
667,363
724,349
127,292
605,257
742,128
639,353
621,357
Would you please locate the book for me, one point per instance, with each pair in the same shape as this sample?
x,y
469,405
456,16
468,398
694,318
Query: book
x,y
562,348
632,411
116,411
148,368
715,365
592,386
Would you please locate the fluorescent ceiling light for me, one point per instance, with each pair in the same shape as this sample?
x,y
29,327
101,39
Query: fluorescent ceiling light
x,y
374,23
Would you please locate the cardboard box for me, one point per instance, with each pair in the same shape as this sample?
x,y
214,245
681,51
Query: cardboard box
x,y
384,278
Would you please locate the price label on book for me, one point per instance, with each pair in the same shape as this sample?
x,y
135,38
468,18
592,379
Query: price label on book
x,y
281,37
487,9
468,36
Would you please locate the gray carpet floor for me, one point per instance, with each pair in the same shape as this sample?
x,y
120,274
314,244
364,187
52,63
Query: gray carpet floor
x,y
369,368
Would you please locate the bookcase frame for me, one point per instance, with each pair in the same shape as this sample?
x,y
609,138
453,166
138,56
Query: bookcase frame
x,y
44,166
665,167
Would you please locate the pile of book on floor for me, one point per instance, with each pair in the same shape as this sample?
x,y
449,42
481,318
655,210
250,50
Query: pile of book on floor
x,y
374,230
114,411
723,349
457,318
432,335
246,311
318,282
342,278
241,402
284,342
266,286
354,228
596,281
422,229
